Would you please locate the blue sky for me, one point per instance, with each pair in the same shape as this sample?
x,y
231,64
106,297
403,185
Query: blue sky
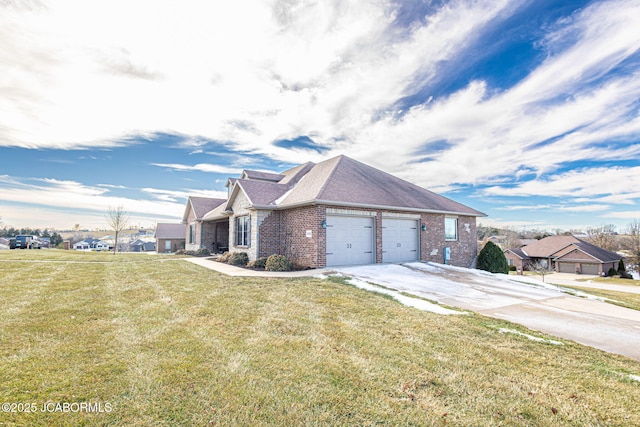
x,y
525,110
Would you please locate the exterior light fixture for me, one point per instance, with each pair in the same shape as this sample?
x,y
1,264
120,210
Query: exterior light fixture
x,y
324,223
423,227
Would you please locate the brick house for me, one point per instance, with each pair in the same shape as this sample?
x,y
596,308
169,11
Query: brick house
x,y
564,254
169,237
336,212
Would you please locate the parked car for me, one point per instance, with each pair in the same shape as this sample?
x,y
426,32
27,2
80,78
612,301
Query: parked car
x,y
27,242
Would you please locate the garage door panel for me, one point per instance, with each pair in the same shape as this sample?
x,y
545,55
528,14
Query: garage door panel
x,y
349,240
400,240
592,269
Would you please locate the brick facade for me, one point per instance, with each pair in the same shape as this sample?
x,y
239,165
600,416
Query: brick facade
x,y
298,234
205,233
174,245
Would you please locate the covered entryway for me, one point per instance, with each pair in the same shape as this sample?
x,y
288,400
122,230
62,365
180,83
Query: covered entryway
x,y
350,240
400,240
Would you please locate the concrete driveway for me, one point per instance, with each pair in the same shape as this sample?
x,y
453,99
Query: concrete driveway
x,y
533,304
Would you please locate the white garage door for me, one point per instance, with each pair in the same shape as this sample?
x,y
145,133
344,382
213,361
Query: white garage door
x,y
350,240
399,240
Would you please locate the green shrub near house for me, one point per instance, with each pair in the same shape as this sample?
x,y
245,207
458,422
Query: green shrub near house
x,y
239,258
492,259
258,264
278,263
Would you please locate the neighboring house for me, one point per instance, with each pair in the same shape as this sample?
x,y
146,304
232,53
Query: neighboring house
x,y
336,212
170,237
91,245
564,254
140,245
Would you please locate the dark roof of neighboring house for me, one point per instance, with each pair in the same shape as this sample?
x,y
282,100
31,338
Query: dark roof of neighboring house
x,y
170,231
346,182
518,252
201,206
596,252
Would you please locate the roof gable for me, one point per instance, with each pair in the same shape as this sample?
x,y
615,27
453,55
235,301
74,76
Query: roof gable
x,y
596,252
200,206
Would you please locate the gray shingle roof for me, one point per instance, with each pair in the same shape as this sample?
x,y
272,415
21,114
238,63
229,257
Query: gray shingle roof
x,y
264,176
201,206
170,231
347,182
598,253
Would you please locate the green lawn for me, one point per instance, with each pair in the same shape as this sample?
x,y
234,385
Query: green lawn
x,y
624,299
158,341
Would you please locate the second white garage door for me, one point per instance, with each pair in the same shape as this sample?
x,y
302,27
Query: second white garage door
x,y
350,240
400,240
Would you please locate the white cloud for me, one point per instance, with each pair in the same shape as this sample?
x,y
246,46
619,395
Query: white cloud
x,y
74,196
248,73
581,185
202,167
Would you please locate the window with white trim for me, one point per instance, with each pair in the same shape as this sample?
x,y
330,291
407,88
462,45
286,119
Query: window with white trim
x,y
450,228
192,233
243,230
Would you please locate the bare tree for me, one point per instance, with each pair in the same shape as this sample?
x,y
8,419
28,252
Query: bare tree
x,y
117,219
603,236
540,268
632,242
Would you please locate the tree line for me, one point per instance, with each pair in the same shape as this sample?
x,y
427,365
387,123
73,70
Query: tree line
x,y
11,232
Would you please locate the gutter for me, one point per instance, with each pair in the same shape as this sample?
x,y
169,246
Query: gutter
x,y
365,206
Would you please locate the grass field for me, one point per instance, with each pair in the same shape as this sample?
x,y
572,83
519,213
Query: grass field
x,y
155,341
623,299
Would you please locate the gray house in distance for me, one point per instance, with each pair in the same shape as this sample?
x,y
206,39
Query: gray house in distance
x,y
336,212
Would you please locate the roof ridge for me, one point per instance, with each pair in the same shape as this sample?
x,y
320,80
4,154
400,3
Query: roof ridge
x,y
338,159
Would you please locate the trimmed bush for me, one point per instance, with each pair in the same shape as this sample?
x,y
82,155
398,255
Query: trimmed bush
x,y
239,258
258,264
492,259
277,263
612,272
202,252
224,257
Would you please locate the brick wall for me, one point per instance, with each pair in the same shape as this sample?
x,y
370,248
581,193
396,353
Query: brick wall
x,y
295,233
287,233
175,244
432,243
